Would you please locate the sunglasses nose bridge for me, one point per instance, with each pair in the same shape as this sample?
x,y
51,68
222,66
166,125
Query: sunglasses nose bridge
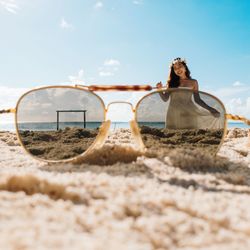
x,y
121,102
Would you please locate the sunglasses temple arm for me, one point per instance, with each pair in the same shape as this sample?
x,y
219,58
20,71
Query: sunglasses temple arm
x,y
137,136
116,87
238,118
243,119
6,111
100,140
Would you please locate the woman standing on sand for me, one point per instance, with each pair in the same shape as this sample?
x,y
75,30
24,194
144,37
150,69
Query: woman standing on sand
x,y
186,109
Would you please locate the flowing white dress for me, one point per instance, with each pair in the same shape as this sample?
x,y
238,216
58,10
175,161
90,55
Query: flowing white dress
x,y
184,113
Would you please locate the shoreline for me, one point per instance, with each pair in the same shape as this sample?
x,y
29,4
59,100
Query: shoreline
x,y
118,125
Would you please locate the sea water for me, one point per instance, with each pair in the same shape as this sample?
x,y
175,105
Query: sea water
x,y
91,125
115,125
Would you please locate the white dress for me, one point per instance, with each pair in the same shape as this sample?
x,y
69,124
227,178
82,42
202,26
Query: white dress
x,y
184,113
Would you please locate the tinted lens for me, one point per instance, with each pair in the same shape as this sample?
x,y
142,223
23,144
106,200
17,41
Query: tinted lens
x,y
181,118
59,123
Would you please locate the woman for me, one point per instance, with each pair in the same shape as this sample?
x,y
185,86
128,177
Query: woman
x,y
186,109
179,76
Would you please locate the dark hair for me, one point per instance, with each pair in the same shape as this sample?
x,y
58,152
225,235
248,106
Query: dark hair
x,y
173,79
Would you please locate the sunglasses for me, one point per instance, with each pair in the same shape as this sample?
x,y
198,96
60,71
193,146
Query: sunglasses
x,y
66,123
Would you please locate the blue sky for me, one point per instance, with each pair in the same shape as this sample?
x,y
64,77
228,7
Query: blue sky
x,y
126,41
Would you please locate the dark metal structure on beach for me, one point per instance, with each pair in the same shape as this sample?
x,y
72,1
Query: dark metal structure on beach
x,y
67,111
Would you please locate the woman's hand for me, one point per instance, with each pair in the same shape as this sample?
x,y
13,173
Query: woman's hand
x,y
159,85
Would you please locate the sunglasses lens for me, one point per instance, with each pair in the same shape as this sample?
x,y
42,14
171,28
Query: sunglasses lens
x,y
181,118
58,123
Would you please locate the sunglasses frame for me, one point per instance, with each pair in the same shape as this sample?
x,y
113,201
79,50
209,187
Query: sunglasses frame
x,y
104,128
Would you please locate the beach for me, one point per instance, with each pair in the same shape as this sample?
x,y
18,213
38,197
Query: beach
x,y
121,199
58,144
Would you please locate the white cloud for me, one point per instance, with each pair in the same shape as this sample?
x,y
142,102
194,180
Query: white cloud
x,y
111,62
239,106
237,83
98,5
9,96
138,2
135,97
109,67
8,99
231,91
47,101
120,112
236,89
78,77
106,73
10,5
65,25
236,98
91,79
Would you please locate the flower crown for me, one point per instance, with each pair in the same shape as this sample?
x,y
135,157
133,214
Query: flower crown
x,y
177,60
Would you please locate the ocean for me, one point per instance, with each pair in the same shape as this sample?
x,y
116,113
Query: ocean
x,y
91,125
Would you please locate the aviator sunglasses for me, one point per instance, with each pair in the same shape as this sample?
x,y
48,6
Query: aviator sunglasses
x,y
66,123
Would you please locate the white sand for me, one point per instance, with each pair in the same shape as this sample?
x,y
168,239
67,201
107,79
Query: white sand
x,y
182,201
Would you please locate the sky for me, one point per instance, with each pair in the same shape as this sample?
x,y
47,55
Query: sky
x,y
125,42
41,106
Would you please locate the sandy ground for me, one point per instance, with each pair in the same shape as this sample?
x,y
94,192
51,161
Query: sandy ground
x,y
180,200
60,144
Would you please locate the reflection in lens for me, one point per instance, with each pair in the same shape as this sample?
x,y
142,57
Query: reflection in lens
x,y
59,123
181,118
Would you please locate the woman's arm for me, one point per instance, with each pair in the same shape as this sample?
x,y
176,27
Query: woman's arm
x,y
199,101
164,95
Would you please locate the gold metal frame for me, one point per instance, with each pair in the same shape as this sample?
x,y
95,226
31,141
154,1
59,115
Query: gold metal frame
x,y
175,90
104,129
98,142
